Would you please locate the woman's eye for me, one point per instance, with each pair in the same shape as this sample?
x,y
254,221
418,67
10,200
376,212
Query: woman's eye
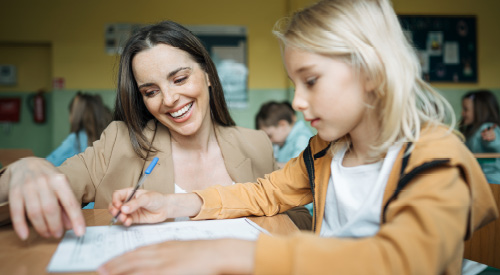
x,y
180,80
151,93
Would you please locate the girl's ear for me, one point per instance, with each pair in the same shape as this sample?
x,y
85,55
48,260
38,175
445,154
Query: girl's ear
x,y
369,84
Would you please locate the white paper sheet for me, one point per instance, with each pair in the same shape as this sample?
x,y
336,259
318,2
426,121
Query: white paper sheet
x,y
101,243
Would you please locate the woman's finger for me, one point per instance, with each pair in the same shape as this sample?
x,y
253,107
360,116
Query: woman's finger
x,y
51,208
69,203
17,213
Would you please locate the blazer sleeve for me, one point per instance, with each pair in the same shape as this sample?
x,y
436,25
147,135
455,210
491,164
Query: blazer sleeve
x,y
86,170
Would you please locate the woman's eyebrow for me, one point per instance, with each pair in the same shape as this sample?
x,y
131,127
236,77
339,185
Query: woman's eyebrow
x,y
172,73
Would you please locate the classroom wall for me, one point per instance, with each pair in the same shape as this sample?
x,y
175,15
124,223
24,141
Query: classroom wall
x,y
65,39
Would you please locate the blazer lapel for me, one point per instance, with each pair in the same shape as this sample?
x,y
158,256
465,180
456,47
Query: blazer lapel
x,y
239,166
162,177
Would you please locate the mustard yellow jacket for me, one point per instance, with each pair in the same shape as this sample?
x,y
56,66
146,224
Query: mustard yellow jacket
x,y
442,198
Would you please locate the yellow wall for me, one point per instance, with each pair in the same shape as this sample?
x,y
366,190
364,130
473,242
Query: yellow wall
x,y
33,64
75,32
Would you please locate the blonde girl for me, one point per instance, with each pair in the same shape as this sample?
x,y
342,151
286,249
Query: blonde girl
x,y
394,190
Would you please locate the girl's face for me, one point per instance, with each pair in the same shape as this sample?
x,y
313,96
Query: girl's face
x,y
174,88
467,111
328,92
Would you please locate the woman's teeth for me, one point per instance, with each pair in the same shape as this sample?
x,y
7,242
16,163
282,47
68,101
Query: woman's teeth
x,y
182,112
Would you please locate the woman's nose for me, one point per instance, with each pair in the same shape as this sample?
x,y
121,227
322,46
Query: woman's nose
x,y
170,97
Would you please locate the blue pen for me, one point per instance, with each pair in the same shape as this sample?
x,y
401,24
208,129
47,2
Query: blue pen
x,y
139,184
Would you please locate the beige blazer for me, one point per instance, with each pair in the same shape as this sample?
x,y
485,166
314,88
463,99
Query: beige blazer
x,y
111,163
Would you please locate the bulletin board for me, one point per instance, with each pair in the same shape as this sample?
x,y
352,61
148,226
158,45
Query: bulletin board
x,y
446,46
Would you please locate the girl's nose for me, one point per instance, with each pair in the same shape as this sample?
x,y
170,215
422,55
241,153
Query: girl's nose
x,y
299,102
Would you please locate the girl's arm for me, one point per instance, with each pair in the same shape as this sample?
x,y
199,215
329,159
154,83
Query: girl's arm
x,y
490,139
152,207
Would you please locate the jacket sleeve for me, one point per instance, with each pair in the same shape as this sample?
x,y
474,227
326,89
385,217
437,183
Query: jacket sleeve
x,y
275,193
494,145
424,232
85,171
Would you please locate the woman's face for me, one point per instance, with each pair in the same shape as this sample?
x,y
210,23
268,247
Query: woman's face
x,y
328,92
467,111
174,88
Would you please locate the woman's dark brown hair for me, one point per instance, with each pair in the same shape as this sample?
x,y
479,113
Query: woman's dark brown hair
x,y
485,110
129,106
88,113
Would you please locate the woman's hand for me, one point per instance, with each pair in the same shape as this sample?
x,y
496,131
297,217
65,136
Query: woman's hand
x,y
152,207
37,190
227,256
144,207
488,134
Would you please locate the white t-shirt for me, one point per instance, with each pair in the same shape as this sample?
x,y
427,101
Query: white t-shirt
x,y
354,196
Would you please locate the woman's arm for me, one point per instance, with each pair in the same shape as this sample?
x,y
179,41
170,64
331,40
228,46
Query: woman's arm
x,y
36,190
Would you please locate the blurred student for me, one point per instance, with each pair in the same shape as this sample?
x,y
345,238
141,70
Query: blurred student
x,y
479,125
88,117
288,135
395,191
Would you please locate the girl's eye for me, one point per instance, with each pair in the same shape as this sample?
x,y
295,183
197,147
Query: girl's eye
x,y
180,80
311,81
151,93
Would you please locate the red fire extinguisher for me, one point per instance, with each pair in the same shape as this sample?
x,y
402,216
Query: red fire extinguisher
x,y
36,104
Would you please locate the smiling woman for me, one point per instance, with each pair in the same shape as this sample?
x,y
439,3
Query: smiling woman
x,y
170,104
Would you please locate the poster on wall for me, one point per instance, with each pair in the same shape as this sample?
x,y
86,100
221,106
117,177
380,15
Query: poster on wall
x,y
446,46
227,45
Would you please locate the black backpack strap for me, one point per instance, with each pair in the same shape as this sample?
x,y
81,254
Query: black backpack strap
x,y
309,163
404,179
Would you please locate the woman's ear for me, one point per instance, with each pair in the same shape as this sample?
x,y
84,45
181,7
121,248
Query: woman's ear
x,y
208,80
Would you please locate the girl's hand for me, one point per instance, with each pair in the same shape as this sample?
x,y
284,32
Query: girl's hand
x,y
153,207
226,256
488,134
38,191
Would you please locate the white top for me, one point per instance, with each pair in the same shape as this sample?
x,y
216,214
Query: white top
x,y
354,196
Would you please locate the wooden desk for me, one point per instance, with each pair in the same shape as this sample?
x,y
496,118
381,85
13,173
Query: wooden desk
x,y
8,156
486,155
33,256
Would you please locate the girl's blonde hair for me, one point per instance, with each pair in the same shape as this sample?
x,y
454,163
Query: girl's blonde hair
x,y
367,35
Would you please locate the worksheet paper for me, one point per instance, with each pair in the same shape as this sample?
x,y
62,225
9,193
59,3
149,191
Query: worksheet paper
x,y
101,243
